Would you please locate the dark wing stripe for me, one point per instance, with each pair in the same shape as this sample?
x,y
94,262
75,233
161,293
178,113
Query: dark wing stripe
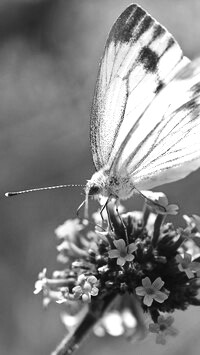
x,y
151,65
144,26
135,44
125,24
158,32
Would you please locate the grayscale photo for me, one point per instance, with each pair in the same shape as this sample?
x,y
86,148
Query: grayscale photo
x,y
100,171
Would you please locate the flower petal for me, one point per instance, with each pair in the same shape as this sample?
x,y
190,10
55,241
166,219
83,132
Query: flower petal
x,y
172,209
94,291
121,261
158,283
38,286
171,331
154,328
114,253
160,297
195,266
129,257
179,258
162,320
140,291
120,244
86,297
160,339
81,279
131,248
92,279
77,290
148,300
181,268
197,221
189,273
146,282
169,320
187,258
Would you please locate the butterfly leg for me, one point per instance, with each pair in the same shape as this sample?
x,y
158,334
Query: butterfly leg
x,y
78,209
105,206
122,222
151,201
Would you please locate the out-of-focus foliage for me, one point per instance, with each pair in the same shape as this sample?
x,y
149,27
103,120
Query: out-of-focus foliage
x,y
49,53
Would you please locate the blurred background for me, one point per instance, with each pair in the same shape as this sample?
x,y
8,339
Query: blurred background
x,y
49,54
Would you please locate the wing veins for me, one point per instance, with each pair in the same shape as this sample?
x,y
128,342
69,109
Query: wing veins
x,y
154,145
169,166
167,152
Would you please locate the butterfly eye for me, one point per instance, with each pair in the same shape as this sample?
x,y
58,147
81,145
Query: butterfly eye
x,y
94,190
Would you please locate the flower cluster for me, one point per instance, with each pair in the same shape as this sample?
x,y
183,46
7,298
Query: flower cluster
x,y
130,270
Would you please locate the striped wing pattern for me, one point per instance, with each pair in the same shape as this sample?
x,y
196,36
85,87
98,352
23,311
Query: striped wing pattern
x,y
139,59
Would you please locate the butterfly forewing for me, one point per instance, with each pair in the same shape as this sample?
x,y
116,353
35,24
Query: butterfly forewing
x,y
140,58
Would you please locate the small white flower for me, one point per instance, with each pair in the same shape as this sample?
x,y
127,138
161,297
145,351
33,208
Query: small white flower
x,y
123,252
41,282
163,328
151,291
69,229
86,287
185,264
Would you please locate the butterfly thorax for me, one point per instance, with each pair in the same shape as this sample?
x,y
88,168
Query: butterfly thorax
x,y
103,183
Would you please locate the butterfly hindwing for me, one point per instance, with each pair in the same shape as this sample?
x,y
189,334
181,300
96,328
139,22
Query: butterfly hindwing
x,y
139,59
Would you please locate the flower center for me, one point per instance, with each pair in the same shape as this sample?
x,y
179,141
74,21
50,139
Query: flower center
x,y
163,327
184,265
123,253
150,291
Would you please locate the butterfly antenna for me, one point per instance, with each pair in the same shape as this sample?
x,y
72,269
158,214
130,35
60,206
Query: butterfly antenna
x,y
15,193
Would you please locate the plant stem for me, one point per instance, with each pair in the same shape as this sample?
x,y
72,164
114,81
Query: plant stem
x,y
72,341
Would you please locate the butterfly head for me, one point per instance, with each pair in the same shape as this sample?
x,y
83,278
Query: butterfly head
x,y
96,185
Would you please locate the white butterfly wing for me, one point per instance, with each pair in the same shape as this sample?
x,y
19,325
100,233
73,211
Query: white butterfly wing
x,y
140,57
171,150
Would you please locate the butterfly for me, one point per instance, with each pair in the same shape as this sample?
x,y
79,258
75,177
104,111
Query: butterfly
x,y
145,117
